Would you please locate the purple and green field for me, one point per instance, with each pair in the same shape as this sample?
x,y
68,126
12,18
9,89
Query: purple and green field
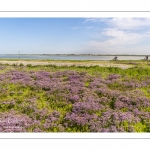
x,y
74,99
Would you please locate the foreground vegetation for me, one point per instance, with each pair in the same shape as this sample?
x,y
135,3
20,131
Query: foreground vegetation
x,y
75,99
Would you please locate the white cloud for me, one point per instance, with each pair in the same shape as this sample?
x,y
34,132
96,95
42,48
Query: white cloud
x,y
91,19
117,41
115,38
118,34
129,23
121,37
123,23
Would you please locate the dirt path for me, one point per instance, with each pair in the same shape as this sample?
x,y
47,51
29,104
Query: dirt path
x,y
65,63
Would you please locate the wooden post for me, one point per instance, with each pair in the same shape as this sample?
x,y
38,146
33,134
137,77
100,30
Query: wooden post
x,y
19,55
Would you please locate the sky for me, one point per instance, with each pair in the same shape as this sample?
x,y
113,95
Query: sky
x,y
75,36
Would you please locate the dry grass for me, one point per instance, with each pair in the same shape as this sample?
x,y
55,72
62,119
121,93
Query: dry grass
x,y
68,63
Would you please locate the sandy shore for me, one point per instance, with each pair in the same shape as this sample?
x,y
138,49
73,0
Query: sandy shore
x,y
64,63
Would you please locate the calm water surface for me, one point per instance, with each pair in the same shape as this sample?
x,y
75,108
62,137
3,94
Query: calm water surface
x,y
60,57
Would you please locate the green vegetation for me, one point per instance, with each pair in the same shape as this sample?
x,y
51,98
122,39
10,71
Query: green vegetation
x,y
73,98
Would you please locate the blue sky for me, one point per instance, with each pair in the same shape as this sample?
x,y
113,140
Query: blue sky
x,y
75,35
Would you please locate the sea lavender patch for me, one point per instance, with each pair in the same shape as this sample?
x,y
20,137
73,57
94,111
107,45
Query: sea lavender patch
x,y
72,101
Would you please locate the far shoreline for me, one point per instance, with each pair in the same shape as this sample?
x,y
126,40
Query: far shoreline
x,y
80,54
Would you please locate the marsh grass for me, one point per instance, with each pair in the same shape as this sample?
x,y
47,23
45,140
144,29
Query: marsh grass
x,y
54,108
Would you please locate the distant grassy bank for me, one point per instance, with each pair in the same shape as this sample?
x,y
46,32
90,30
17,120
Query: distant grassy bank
x,y
124,64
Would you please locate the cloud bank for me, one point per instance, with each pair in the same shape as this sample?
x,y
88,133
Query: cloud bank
x,y
122,36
